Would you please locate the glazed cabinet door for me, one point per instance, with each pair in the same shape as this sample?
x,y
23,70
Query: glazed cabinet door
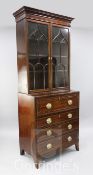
x,y
38,54
60,57
48,56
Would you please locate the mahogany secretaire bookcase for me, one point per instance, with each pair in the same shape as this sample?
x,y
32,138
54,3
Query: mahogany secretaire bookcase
x,y
48,110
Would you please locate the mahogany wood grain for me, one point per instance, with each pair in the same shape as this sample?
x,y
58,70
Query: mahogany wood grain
x,y
32,111
57,129
26,109
58,144
57,118
25,12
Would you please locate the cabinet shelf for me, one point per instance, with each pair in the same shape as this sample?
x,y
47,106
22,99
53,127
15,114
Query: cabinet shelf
x,y
38,71
58,56
55,56
58,42
37,55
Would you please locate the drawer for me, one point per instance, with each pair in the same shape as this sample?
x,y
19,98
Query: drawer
x,y
57,118
48,133
58,144
70,126
70,139
50,145
48,104
57,130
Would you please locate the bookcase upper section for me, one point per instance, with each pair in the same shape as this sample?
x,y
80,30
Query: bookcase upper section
x,y
43,50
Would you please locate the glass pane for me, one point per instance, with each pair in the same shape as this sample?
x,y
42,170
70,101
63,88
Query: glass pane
x,y
38,55
60,57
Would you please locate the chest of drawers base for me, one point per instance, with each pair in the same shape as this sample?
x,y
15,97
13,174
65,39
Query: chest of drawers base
x,y
48,124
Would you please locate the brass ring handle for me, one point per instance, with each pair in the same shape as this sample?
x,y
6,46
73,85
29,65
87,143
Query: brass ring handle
x,y
69,126
49,106
49,146
69,139
49,133
49,120
69,115
70,102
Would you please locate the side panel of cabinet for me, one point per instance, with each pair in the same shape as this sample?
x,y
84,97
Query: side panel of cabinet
x,y
21,37
22,61
26,113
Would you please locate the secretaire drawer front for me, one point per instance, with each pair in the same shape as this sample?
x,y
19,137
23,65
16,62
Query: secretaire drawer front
x,y
53,119
60,102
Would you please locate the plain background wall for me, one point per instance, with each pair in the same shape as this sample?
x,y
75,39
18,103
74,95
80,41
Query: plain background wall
x,y
82,68
81,79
